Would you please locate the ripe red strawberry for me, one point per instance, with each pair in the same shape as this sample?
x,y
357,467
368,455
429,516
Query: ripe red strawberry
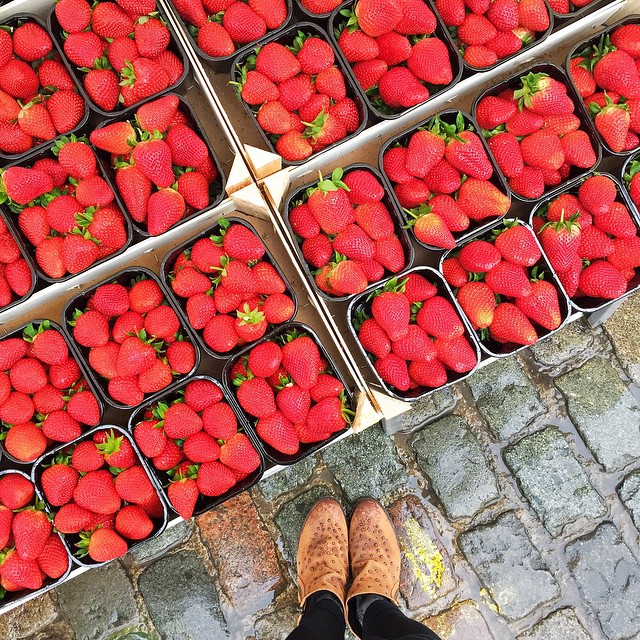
x,y
616,71
578,150
602,280
542,305
543,95
239,454
54,559
183,494
58,483
375,19
31,530
293,146
144,77
518,245
511,325
508,279
391,309
256,397
456,354
393,370
374,338
582,77
492,111
22,185
594,243
301,359
468,155
133,523
220,421
431,229
533,15
479,256
399,88
101,85
20,574
73,15
277,63
424,151
616,221
279,433
133,486
429,62
416,345
102,545
613,124
478,302
215,479
165,208
506,151
476,30
597,194
95,491
439,318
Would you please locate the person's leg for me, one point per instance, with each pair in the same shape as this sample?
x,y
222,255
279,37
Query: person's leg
x,y
323,570
375,556
323,619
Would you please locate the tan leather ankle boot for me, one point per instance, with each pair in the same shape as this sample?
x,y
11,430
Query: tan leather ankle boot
x,y
323,553
375,555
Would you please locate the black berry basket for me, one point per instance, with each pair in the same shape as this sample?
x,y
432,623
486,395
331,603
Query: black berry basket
x,y
70,540
12,599
10,216
587,304
298,196
16,21
305,449
174,46
497,179
124,277
222,63
84,370
362,304
285,38
216,189
180,303
493,348
162,478
382,112
27,258
583,48
586,125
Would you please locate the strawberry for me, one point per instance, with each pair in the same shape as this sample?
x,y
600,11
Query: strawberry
x,y
22,185
219,421
329,204
616,221
533,15
393,370
508,279
277,63
392,311
19,573
31,530
83,407
73,15
215,479
543,95
375,19
116,138
239,454
151,36
301,358
16,491
493,111
187,148
243,24
597,194
602,280
578,150
279,433
399,88
517,245
319,7
54,559
256,397
481,199
431,229
95,491
616,71
58,483
102,545
293,146
613,124
278,308
542,149
542,305
439,319
165,208
594,243
416,345
183,494
429,62
476,30
478,302
625,255
374,338
133,485
467,154
121,50
529,183
369,72
479,256
456,354
214,39
511,325
133,523
582,77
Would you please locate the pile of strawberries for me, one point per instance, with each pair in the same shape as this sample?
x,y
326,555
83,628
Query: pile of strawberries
x,y
101,495
16,280
319,7
346,232
66,208
31,553
121,47
535,135
132,339
233,294
163,168
192,438
443,179
38,97
499,284
43,396
414,335
564,7
299,96
591,240
393,52
222,26
288,385
606,75
487,31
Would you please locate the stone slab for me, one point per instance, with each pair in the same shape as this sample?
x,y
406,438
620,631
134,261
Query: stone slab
x,y
622,329
604,411
423,411
168,540
453,460
91,616
288,479
182,598
505,397
552,480
509,566
366,464
560,625
426,573
608,577
629,493
462,622
242,553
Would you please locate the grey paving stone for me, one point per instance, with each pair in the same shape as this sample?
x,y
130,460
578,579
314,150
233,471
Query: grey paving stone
x,y
182,599
289,479
608,577
451,457
152,549
560,625
134,634
505,397
92,616
604,411
622,328
575,342
366,464
629,493
423,411
552,480
509,566
57,631
28,619
462,622
277,624
292,515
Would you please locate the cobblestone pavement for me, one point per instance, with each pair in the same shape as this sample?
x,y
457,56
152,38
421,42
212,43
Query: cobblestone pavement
x,y
518,514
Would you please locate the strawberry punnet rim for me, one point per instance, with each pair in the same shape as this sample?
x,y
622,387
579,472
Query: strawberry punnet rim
x,y
633,212
18,598
36,474
565,302
211,502
445,291
305,449
30,17
75,354
125,274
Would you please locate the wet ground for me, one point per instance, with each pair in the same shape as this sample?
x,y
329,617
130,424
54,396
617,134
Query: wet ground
x,y
517,510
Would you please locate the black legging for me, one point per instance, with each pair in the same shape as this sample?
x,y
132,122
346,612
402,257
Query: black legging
x,y
323,619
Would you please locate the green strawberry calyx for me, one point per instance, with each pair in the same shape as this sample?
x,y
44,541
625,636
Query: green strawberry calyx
x,y
633,170
416,213
65,140
448,131
218,238
30,333
570,224
83,543
332,183
395,285
592,55
250,316
298,42
530,87
347,413
595,108
111,445
178,475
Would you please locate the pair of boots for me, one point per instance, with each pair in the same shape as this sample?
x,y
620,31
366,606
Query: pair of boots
x,y
328,547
